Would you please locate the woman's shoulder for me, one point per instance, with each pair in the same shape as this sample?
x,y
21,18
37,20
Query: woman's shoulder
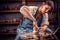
x,y
23,7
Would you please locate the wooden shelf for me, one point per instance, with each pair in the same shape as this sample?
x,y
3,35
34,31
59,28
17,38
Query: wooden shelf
x,y
10,23
9,33
10,11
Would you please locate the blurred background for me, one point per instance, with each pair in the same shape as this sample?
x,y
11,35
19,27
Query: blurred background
x,y
10,17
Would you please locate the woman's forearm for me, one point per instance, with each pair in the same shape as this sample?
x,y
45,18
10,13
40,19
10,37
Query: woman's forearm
x,y
44,27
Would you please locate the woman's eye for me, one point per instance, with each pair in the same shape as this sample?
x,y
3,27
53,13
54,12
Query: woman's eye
x,y
46,8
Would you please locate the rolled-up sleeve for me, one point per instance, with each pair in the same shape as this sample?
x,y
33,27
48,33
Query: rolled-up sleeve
x,y
21,8
45,19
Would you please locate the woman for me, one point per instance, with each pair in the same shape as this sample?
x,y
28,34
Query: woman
x,y
34,17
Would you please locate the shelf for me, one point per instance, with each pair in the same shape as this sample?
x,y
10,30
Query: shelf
x,y
8,33
10,11
10,23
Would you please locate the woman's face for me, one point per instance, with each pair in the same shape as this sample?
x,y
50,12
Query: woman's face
x,y
44,8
